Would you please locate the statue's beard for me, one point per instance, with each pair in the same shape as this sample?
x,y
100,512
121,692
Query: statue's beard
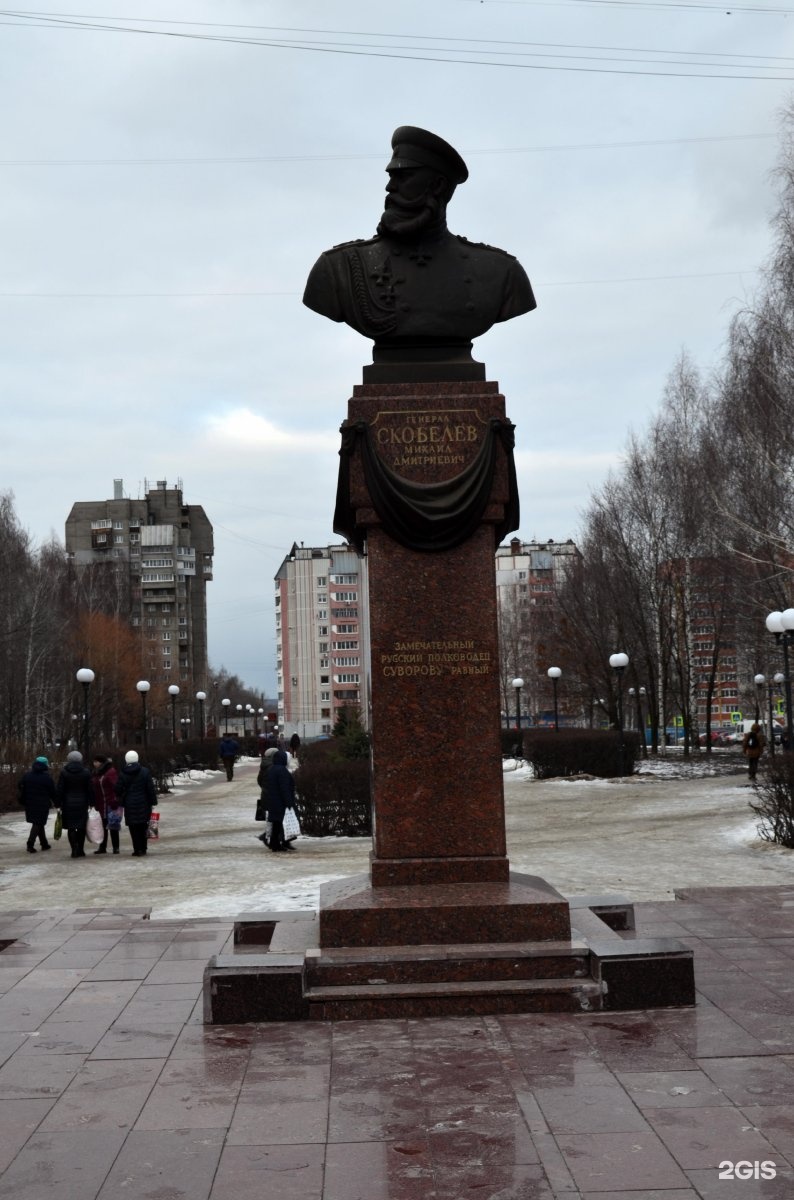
x,y
410,218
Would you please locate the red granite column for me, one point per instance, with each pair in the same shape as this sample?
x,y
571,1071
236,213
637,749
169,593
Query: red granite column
x,y
435,704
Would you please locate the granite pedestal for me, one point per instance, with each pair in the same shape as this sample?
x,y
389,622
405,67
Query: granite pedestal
x,y
440,925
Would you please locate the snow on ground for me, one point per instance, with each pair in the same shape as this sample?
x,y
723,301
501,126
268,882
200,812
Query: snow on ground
x,y
642,836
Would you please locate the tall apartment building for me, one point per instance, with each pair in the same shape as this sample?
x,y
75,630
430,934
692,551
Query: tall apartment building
x,y
527,577
322,638
160,551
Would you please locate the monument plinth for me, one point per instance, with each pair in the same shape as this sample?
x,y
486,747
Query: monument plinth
x,y
436,761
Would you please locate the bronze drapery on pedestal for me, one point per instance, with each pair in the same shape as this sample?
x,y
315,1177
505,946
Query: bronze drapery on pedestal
x,y
426,516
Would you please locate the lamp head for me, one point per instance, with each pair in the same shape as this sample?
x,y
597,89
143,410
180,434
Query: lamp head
x,y
85,675
143,686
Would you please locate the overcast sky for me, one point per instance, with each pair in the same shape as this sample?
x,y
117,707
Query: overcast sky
x,y
164,197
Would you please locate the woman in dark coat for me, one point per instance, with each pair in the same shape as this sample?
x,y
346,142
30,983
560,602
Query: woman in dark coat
x,y
104,781
135,790
261,779
36,790
74,795
280,797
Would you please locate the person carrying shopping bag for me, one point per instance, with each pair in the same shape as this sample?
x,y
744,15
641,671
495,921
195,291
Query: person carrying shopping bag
x,y
135,791
104,779
75,796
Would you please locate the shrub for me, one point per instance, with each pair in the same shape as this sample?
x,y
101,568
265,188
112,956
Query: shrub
x,y
352,739
333,793
774,792
556,752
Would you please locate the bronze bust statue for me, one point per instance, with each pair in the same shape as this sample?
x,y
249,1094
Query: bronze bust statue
x,y
420,292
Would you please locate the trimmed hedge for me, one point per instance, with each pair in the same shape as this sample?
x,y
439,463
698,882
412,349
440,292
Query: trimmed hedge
x,y
333,793
559,752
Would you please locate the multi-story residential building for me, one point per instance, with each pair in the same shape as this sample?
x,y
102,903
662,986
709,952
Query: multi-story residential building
x,y
527,577
322,638
158,552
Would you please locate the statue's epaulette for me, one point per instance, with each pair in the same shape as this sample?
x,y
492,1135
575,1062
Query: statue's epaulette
x,y
483,246
355,242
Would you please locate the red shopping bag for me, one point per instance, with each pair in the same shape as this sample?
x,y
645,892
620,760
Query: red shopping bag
x,y
153,833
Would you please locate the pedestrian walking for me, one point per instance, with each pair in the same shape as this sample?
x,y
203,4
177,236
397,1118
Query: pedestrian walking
x,y
261,779
36,790
104,778
280,797
228,751
74,795
752,748
135,791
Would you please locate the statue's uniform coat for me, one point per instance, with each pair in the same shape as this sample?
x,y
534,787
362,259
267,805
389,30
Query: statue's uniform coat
x,y
443,288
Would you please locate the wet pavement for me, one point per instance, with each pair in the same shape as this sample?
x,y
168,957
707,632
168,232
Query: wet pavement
x,y
111,1087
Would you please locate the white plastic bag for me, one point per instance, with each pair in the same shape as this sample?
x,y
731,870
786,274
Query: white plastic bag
x,y
94,830
291,825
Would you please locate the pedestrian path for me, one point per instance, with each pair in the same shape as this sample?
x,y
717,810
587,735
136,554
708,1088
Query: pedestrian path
x,y
111,1087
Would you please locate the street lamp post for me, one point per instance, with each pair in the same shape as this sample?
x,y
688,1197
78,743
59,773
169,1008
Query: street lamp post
x,y
173,692
185,723
554,674
776,680
641,721
143,686
759,681
781,624
201,697
618,662
226,704
518,683
241,713
86,676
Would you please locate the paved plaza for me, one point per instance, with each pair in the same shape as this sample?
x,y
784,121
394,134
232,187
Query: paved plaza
x,y
112,1087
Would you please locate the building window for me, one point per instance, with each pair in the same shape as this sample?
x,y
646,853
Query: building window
x,y
322,581
344,579
347,660
325,696
166,637
346,645
322,614
347,677
166,663
323,647
345,597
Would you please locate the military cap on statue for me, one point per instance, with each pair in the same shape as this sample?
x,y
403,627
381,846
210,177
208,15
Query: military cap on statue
x,y
414,147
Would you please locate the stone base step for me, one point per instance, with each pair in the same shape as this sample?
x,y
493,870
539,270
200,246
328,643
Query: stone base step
x,y
508,962
475,997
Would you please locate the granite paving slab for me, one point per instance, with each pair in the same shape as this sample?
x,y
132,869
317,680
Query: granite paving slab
x,y
110,1085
